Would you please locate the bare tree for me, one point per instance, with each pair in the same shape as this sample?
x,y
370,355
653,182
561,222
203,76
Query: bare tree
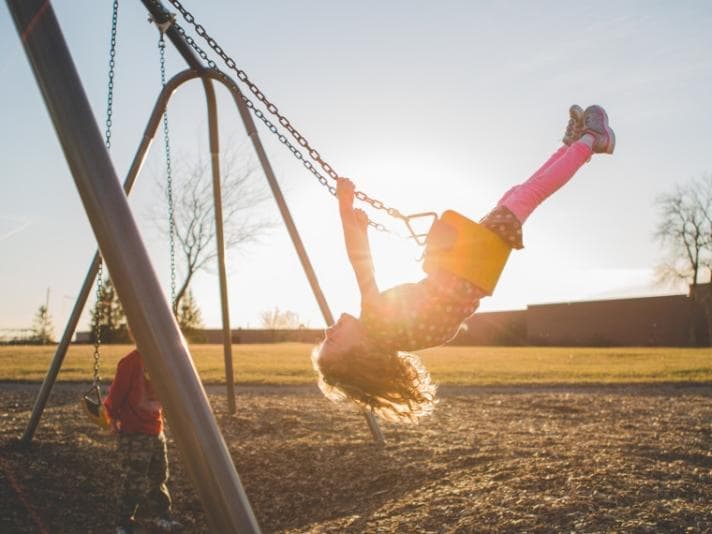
x,y
685,229
194,215
278,319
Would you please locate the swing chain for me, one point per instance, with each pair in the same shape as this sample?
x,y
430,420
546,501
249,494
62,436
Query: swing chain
x,y
98,319
283,121
169,177
99,310
112,65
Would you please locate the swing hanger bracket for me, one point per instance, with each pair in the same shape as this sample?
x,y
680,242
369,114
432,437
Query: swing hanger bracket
x,y
419,237
163,26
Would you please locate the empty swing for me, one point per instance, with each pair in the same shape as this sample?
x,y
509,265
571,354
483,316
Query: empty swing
x,y
92,401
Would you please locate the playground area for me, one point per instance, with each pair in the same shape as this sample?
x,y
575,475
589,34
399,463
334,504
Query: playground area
x,y
587,458
531,438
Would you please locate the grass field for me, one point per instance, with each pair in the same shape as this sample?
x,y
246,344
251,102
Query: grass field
x,y
289,363
624,444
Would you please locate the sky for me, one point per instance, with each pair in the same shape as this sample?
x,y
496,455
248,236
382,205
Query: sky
x,y
427,106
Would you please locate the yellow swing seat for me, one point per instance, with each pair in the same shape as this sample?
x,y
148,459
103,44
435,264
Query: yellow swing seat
x,y
94,408
466,249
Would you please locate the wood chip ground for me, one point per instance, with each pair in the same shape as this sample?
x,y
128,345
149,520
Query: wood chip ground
x,y
626,458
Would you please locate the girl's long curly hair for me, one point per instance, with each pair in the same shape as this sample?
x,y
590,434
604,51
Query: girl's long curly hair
x,y
395,385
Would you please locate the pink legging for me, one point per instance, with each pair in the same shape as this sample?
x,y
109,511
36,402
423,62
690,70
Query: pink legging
x,y
523,199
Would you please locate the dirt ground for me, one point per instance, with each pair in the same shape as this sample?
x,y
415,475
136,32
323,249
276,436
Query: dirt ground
x,y
530,459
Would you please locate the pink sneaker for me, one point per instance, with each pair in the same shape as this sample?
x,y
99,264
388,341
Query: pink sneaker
x,y
574,129
595,122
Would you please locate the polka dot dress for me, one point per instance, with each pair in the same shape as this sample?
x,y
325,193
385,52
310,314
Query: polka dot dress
x,y
417,316
506,225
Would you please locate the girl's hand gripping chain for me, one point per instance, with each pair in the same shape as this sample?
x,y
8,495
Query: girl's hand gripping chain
x,y
355,226
345,192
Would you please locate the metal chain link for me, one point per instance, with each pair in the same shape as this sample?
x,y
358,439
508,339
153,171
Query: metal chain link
x,y
169,178
98,318
272,108
99,310
112,65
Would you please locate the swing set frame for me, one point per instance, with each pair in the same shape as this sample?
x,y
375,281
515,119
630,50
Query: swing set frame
x,y
157,335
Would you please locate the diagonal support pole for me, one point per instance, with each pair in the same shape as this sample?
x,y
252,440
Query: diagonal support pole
x,y
206,456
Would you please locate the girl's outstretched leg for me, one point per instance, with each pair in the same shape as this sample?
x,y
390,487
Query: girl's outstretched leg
x,y
553,158
519,202
597,137
523,199
574,131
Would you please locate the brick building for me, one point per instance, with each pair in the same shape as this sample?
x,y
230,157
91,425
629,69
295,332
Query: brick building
x,y
672,321
675,321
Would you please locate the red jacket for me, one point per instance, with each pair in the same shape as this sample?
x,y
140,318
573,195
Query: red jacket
x,y
131,402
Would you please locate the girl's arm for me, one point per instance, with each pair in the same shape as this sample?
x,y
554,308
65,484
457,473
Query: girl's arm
x,y
355,225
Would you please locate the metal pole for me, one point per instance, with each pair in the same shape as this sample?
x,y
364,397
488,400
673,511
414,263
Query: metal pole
x,y
161,16
220,240
70,328
206,456
288,220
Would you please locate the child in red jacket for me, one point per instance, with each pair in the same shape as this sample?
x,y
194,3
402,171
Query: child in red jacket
x,y
136,416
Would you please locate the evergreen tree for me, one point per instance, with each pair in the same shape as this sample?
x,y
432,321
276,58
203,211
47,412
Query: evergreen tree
x,y
113,327
189,316
42,328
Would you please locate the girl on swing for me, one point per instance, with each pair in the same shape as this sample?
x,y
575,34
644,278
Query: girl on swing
x,y
362,359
